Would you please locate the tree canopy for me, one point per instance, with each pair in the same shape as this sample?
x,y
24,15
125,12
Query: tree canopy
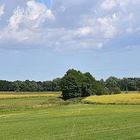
x,y
77,84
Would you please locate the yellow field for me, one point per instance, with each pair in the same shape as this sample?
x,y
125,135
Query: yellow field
x,y
11,95
131,98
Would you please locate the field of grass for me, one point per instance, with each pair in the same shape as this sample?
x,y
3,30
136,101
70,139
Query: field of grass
x,y
73,122
22,101
51,118
131,98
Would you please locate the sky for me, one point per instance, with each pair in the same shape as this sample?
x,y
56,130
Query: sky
x,y
42,39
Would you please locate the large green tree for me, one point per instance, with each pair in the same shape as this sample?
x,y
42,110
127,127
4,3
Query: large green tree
x,y
71,84
77,84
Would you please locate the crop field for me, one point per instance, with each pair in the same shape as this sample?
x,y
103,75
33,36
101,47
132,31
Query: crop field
x,y
131,98
6,95
51,118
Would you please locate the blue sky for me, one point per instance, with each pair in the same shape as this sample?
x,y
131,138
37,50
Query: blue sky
x,y
42,40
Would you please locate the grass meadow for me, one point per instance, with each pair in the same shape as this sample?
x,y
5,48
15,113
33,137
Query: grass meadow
x,y
50,118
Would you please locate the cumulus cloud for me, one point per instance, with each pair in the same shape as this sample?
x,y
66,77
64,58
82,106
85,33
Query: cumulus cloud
x,y
35,14
23,23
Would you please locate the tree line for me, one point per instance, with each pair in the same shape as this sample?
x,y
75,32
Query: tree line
x,y
124,84
30,86
74,84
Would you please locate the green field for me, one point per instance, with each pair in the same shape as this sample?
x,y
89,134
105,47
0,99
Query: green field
x,y
51,118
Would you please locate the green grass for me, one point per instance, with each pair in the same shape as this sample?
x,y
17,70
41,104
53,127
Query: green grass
x,y
73,122
51,118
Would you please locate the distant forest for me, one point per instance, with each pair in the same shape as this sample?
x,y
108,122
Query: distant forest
x,y
107,86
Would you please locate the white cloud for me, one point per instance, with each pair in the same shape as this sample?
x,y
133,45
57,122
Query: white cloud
x,y
2,7
84,31
106,26
25,23
49,14
34,10
16,18
110,4
34,15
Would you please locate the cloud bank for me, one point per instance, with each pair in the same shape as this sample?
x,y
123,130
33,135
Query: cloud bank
x,y
70,25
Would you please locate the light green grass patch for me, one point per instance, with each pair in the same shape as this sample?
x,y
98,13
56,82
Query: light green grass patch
x,y
73,122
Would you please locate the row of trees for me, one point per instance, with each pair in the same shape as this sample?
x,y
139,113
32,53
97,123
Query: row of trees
x,y
125,84
75,84
30,86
